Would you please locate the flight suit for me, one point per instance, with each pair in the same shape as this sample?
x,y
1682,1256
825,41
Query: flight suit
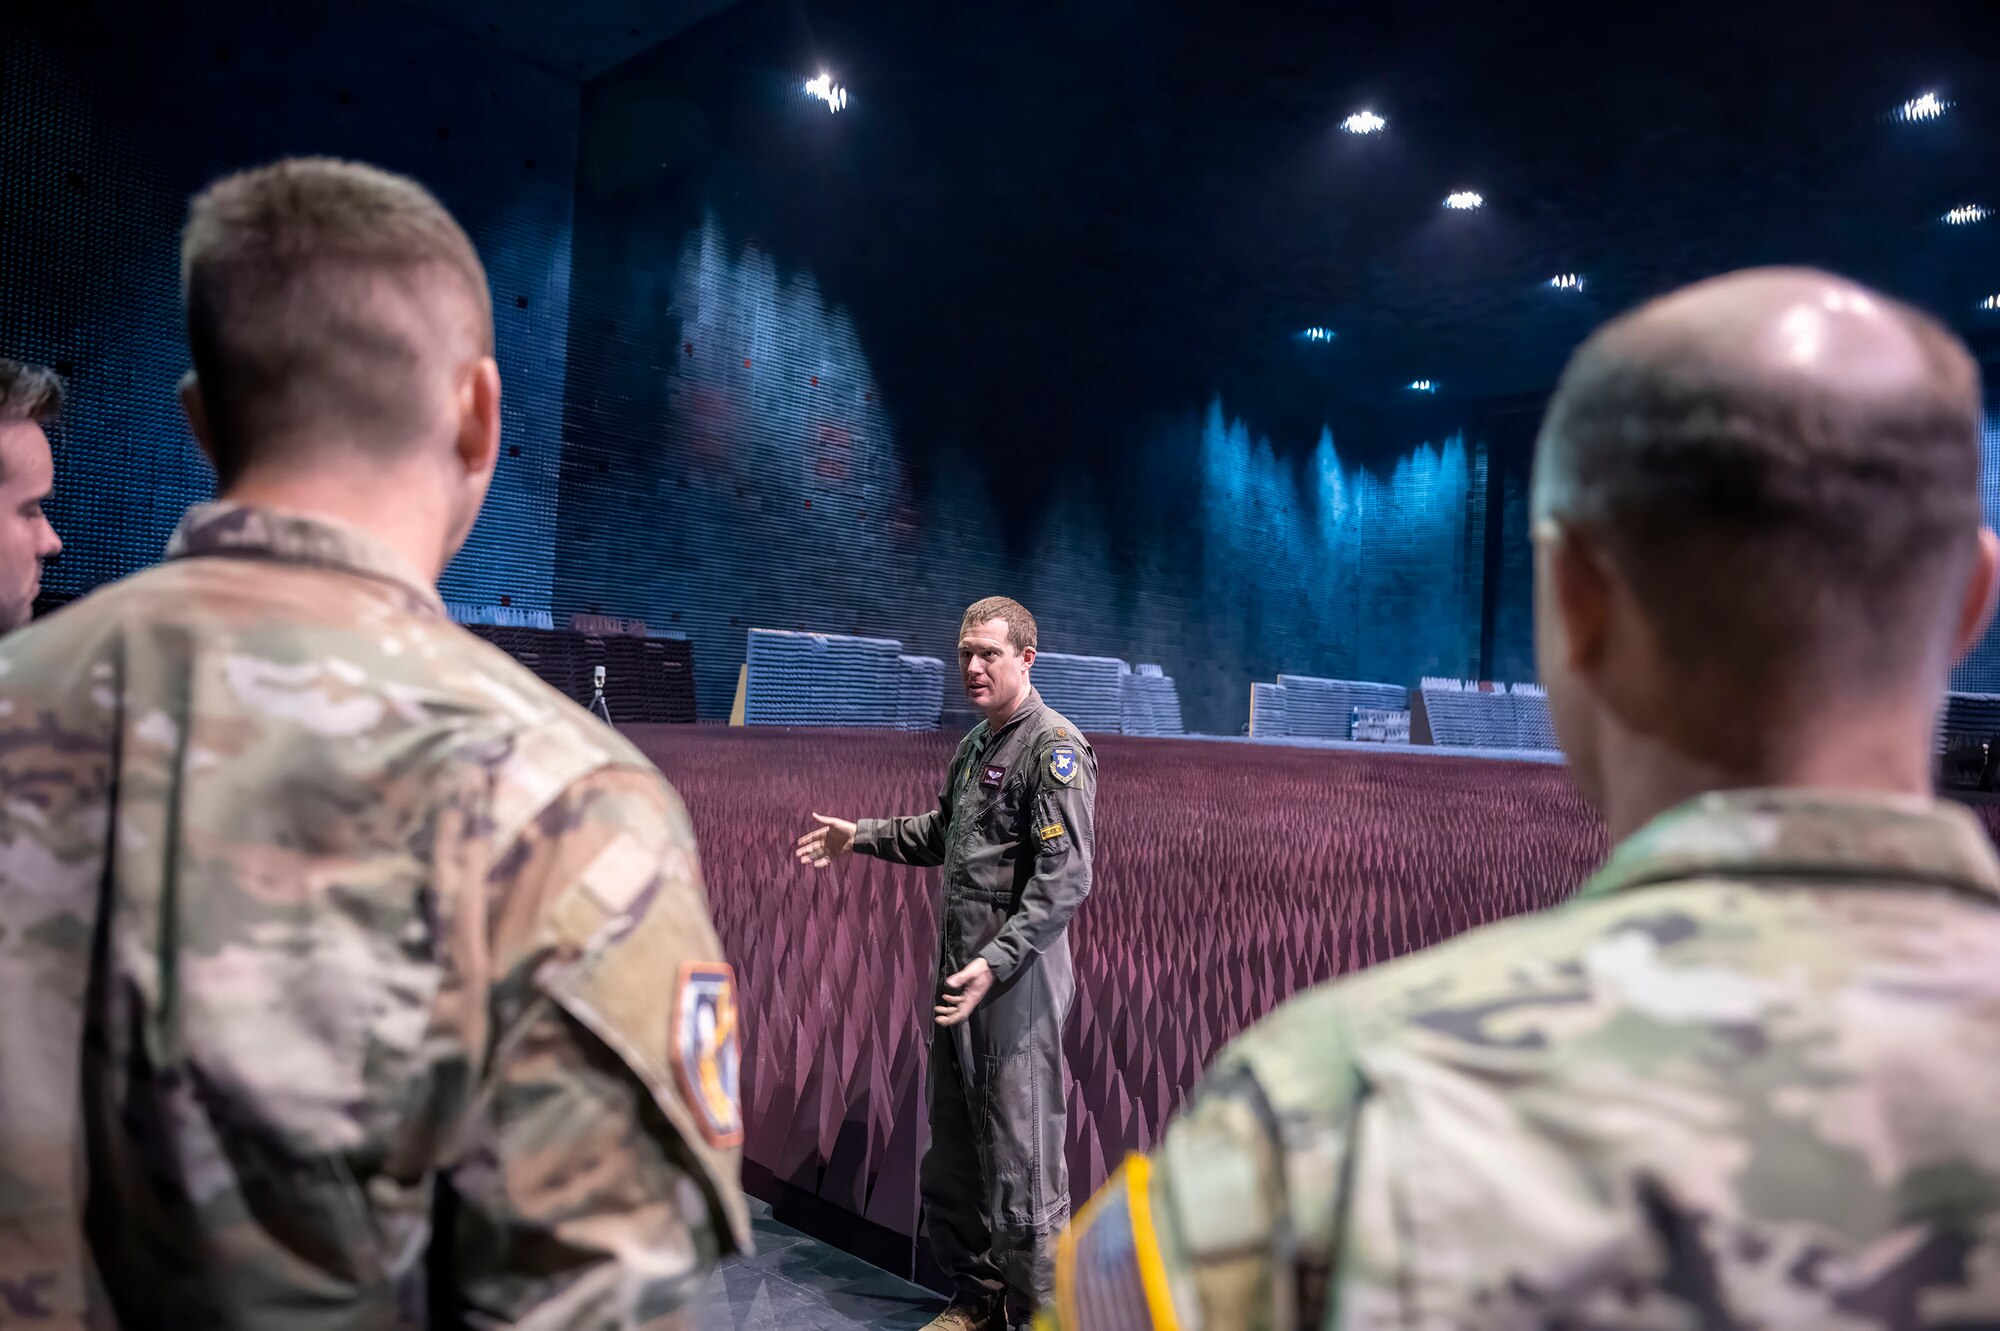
x,y
1747,1078
1014,831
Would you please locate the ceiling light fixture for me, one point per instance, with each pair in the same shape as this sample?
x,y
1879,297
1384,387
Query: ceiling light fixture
x,y
1926,107
1464,201
1318,335
1423,386
1966,215
829,92
1364,122
1566,282
1990,303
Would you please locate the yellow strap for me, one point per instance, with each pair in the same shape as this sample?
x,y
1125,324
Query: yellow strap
x,y
1146,1244
1135,1178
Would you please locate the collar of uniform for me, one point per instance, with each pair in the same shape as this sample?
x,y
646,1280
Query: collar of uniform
x,y
987,735
1807,834
1029,705
245,531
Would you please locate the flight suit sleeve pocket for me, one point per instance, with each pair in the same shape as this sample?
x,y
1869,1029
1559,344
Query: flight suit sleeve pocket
x,y
1050,831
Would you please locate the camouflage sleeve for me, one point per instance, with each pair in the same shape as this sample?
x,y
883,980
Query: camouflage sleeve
x,y
597,1179
1062,835
917,839
1239,1220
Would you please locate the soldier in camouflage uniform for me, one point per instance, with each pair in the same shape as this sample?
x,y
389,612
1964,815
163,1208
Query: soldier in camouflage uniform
x,y
1015,829
1750,1077
349,976
30,397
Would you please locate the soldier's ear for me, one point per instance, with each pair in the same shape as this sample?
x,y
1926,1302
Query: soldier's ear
x,y
196,412
1028,656
1976,610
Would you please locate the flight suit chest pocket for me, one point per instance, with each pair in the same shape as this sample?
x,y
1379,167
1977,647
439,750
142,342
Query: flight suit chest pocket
x,y
1000,820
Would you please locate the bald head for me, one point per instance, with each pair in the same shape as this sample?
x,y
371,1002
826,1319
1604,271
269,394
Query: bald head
x,y
1784,467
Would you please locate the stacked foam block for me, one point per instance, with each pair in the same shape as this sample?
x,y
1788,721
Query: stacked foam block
x,y
499,616
1228,878
1306,707
1472,715
822,679
1533,729
919,692
1970,718
1270,718
1089,690
1149,704
647,680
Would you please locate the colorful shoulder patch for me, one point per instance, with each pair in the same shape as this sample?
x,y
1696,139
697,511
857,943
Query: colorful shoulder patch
x,y
1062,763
705,1056
1109,1272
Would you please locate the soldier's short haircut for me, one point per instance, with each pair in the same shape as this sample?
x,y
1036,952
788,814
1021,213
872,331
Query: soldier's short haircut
x,y
1773,533
1020,624
29,392
293,276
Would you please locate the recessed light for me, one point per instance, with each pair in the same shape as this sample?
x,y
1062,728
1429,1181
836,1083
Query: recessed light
x,y
1926,107
829,92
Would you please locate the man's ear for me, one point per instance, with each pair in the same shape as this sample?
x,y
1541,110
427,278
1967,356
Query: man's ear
x,y
196,412
478,442
1579,585
1975,612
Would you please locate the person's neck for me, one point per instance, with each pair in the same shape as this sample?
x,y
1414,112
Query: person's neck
x,y
1858,753
400,515
1000,716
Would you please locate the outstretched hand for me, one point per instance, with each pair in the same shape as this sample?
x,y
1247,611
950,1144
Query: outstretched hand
x,y
971,984
826,843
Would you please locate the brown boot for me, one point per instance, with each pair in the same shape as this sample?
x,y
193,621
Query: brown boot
x,y
968,1317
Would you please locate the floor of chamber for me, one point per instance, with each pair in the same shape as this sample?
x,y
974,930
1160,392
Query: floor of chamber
x,y
797,1282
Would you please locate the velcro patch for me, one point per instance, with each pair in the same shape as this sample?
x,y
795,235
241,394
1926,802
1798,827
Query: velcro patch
x,y
705,1058
1109,1274
1052,831
620,873
992,777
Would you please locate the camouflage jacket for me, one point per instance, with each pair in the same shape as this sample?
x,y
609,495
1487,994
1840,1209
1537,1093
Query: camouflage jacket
x,y
1749,1078
348,974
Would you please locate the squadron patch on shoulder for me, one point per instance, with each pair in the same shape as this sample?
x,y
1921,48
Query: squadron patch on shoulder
x,y
1062,763
705,1057
1109,1272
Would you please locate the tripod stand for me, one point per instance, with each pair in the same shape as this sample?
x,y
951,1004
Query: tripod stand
x,y
598,707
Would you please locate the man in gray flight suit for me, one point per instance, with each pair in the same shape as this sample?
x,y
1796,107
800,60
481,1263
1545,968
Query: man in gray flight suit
x,y
1014,832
